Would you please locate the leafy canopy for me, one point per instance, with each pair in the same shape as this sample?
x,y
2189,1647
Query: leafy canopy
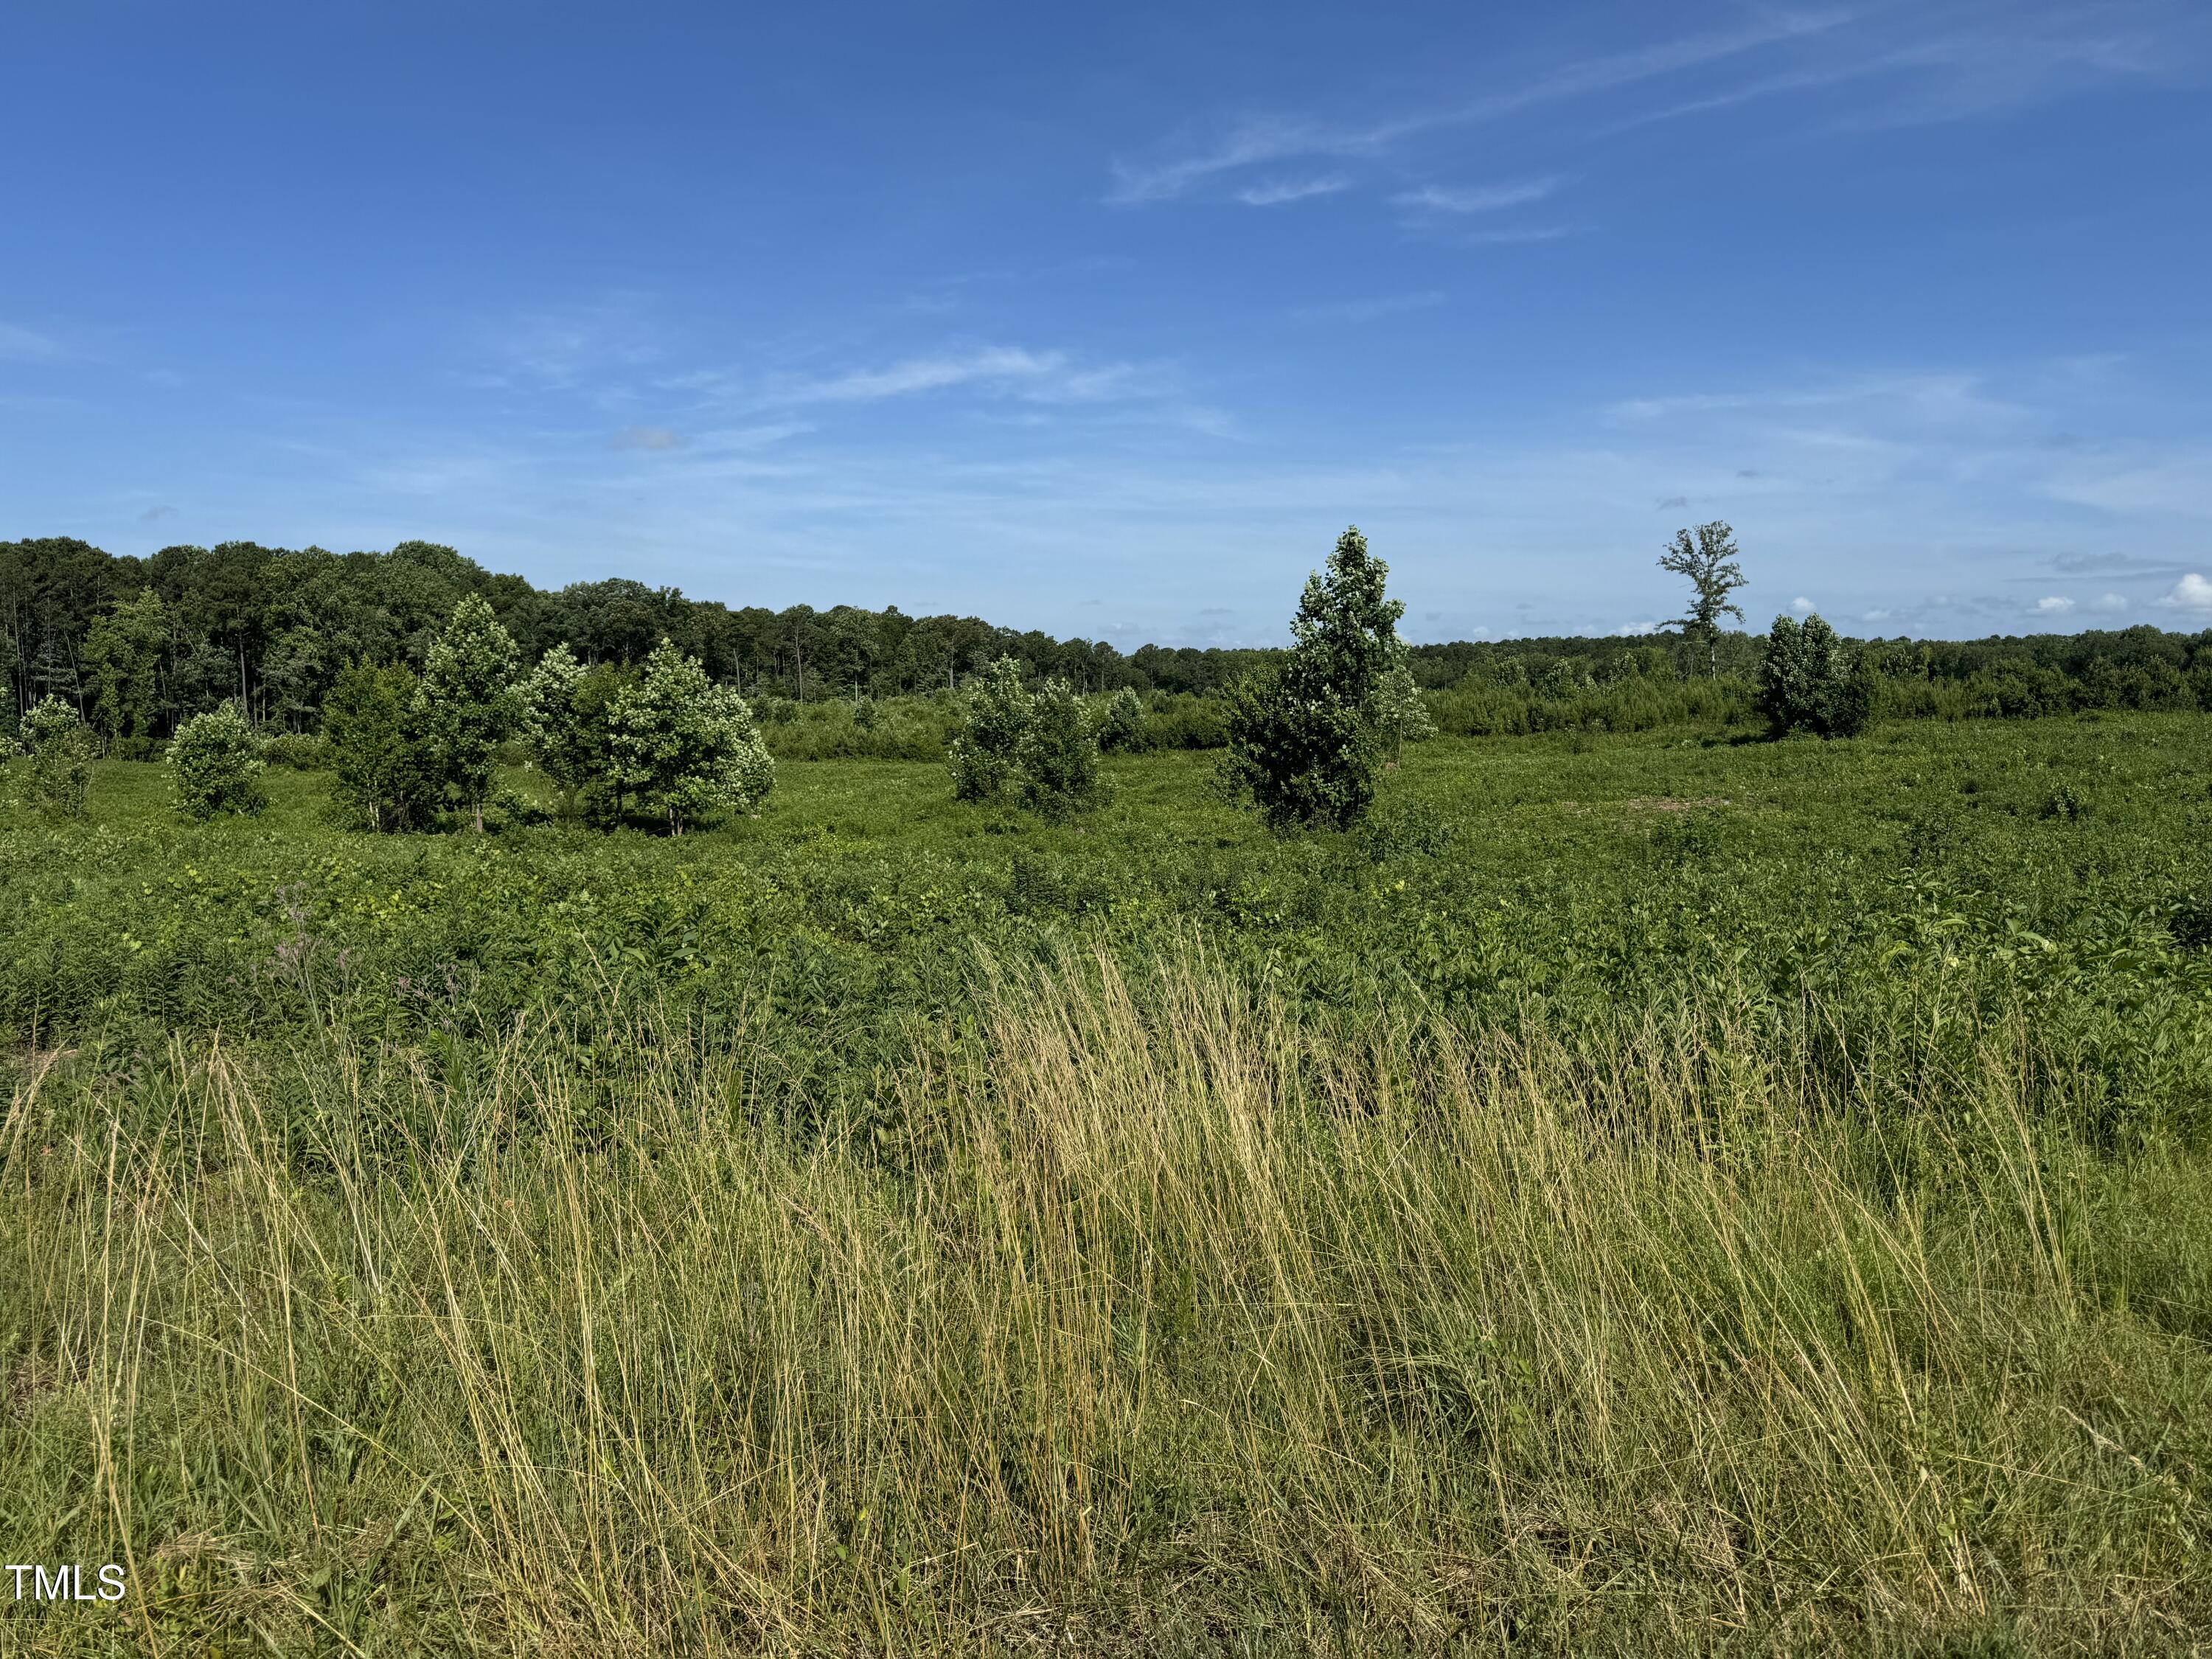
x,y
215,762
466,703
686,745
1810,681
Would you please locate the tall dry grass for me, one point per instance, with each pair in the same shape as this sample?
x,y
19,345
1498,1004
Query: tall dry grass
x,y
1145,1320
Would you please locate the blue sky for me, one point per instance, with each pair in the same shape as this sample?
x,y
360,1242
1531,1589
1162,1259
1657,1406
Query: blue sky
x,y
1105,319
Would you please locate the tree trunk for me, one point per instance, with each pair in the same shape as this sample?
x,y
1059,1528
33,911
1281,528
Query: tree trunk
x,y
478,806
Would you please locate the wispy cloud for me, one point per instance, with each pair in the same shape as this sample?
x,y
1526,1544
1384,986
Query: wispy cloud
x,y
23,346
1279,192
1042,376
1474,198
1931,61
1257,140
646,437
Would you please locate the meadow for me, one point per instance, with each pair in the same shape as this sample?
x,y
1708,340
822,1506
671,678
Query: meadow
x,y
1636,1193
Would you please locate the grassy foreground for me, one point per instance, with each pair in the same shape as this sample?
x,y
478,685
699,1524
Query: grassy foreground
x,y
1800,1240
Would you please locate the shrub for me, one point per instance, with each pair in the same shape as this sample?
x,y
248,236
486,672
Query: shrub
x,y
375,745
299,751
1121,723
60,748
1402,712
1810,681
1057,760
215,762
995,714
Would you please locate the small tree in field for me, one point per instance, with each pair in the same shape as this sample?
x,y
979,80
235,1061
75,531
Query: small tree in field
x,y
687,745
995,714
1811,681
1402,710
1304,734
1708,558
1056,760
215,762
376,751
60,748
1121,722
466,704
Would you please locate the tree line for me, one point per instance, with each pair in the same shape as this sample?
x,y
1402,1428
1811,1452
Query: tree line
x,y
137,646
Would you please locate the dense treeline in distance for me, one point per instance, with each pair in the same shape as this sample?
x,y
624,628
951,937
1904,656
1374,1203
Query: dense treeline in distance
x,y
139,645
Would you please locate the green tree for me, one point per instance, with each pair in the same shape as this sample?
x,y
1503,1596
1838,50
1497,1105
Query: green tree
x,y
686,745
1304,728
60,748
1401,711
1121,722
466,703
1708,558
215,763
122,656
376,750
1056,760
1810,680
994,713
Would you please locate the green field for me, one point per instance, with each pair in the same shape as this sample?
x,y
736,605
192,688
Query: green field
x,y
1635,1195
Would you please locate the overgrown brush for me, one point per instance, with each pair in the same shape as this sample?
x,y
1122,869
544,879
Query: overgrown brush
x,y
1153,1317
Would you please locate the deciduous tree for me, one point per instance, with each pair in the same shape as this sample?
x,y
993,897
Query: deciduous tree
x,y
215,763
1707,556
466,703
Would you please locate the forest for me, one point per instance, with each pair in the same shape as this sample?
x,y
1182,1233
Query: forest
x,y
138,645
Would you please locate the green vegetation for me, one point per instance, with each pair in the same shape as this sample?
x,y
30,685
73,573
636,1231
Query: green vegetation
x,y
1635,1194
216,763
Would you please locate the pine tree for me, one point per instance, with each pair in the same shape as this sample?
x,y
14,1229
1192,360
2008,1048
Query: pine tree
x,y
1304,730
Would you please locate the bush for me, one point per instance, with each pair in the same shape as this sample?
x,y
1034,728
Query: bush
x,y
1121,723
59,746
376,746
1811,681
215,761
995,714
297,751
1057,761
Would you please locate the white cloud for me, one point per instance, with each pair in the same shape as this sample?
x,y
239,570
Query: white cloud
x,y
1043,376
2109,602
1276,191
1803,606
2054,605
1636,630
1254,141
1474,198
2191,593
